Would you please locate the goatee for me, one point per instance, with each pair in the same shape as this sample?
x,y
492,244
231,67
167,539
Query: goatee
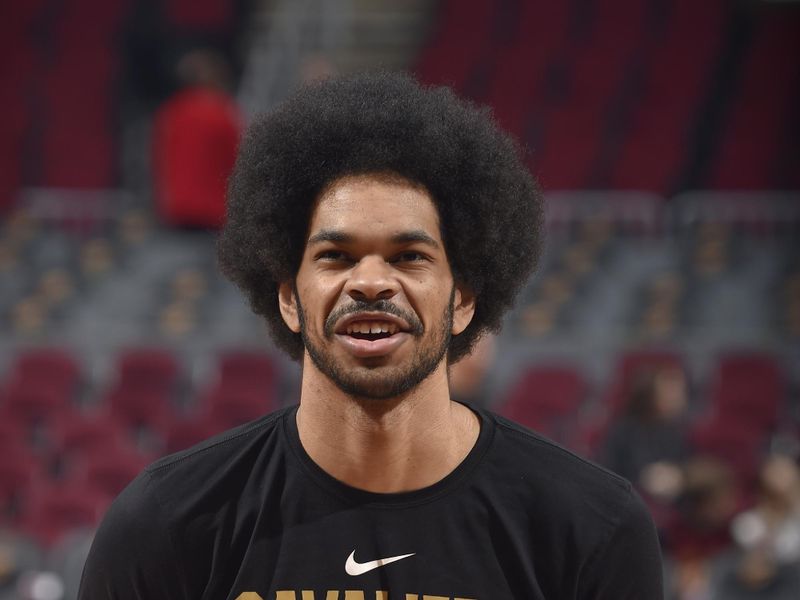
x,y
379,381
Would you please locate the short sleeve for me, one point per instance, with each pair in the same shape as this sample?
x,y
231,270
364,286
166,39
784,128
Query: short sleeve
x,y
132,555
628,565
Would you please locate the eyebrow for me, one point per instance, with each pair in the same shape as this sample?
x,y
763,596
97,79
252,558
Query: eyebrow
x,y
403,237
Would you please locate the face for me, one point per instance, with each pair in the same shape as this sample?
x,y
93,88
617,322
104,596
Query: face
x,y
669,389
374,298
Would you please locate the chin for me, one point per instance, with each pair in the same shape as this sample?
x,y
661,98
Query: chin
x,y
375,386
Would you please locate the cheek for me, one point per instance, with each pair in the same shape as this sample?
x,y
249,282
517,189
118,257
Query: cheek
x,y
429,299
320,296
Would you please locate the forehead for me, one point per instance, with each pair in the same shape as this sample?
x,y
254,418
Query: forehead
x,y
374,204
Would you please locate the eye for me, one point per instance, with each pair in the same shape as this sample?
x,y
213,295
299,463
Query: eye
x,y
409,257
333,256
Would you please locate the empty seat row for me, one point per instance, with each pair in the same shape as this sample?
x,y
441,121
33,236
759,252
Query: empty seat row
x,y
622,89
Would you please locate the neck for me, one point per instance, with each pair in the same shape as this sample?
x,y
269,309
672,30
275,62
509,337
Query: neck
x,y
389,445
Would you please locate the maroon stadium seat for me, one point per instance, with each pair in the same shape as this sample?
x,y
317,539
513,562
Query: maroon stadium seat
x,y
52,367
148,369
750,388
75,434
463,35
753,147
19,471
138,410
181,434
543,397
738,444
109,472
232,405
56,508
245,368
32,405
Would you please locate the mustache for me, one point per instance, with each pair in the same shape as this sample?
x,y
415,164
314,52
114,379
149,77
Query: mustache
x,y
382,306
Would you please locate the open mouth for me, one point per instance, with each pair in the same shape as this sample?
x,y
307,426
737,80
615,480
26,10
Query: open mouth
x,y
373,334
371,330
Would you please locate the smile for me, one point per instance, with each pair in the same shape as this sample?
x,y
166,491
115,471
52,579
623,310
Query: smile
x,y
371,330
371,335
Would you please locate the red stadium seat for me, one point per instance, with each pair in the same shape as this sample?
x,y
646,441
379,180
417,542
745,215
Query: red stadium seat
x,y
32,405
543,397
234,405
50,367
739,445
251,368
652,153
148,369
13,434
752,151
139,410
76,434
19,471
56,508
181,434
109,472
463,37
78,144
750,388
200,15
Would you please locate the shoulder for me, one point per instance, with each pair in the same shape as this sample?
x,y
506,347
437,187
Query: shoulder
x,y
570,500
155,528
559,491
216,474
542,462
238,445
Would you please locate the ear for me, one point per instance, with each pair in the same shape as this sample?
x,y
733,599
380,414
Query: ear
x,y
463,308
288,305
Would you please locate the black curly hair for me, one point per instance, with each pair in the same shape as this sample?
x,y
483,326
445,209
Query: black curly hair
x,y
489,205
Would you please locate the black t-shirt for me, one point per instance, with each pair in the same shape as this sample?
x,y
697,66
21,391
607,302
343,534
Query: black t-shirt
x,y
248,515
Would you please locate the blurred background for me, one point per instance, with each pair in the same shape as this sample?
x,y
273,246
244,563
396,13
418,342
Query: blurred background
x,y
661,336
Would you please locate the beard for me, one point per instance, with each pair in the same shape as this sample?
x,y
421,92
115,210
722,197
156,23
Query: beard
x,y
376,380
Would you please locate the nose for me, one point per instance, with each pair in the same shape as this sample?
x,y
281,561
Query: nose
x,y
371,279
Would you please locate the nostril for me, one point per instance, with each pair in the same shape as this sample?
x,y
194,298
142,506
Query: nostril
x,y
366,295
357,294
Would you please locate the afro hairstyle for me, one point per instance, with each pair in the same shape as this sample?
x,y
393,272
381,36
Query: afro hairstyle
x,y
490,207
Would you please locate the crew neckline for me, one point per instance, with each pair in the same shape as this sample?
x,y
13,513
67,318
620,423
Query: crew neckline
x,y
394,500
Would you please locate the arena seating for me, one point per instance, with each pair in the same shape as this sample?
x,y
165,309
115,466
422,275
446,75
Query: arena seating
x,y
614,95
448,56
78,144
755,147
547,399
121,342
52,367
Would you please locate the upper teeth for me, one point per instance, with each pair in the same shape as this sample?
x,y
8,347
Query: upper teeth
x,y
372,327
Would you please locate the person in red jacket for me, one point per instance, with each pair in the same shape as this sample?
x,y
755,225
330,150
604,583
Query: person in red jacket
x,y
195,137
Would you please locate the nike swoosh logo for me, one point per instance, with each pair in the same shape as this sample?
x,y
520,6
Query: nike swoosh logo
x,y
354,568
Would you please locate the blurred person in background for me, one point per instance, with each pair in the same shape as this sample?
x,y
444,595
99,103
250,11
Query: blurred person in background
x,y
766,563
18,556
195,136
648,444
699,530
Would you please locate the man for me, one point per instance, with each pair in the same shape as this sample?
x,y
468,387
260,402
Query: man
x,y
380,228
